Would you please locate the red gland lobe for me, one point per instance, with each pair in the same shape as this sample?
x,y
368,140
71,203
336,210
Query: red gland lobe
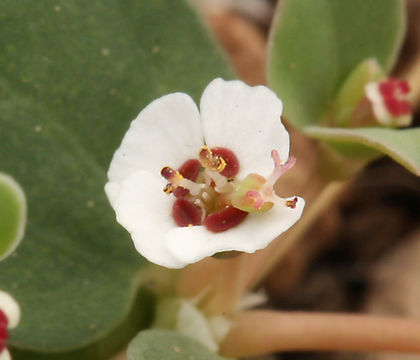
x,y
232,163
186,213
3,330
180,192
394,93
224,219
190,169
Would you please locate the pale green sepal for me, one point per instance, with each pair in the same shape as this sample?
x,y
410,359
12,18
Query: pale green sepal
x,y
352,92
401,145
74,74
166,313
184,317
13,211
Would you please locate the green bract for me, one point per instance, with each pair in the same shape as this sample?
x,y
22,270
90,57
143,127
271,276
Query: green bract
x,y
12,215
73,75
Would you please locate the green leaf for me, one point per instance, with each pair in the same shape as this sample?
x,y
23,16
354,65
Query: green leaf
x,y
12,215
315,45
74,73
168,345
401,145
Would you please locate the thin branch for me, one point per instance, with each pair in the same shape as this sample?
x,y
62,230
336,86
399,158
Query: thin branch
x,y
412,75
261,332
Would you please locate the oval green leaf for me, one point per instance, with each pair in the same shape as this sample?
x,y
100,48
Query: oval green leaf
x,y
314,46
74,73
168,345
12,215
401,145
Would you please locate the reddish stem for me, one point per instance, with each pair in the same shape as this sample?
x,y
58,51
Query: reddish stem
x,y
262,332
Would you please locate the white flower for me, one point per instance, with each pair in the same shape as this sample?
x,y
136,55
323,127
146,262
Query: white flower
x,y
9,319
220,206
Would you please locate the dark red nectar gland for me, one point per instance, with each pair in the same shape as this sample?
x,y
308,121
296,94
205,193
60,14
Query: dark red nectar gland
x,y
224,219
3,330
190,169
185,213
231,168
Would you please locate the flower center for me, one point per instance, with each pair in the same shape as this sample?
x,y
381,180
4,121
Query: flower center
x,y
207,192
3,330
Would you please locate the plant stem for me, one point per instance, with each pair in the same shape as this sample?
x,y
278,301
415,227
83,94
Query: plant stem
x,y
222,280
230,287
262,332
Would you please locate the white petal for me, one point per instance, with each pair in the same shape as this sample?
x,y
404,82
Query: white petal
x,y
5,355
255,232
245,120
146,212
380,111
10,308
220,326
166,133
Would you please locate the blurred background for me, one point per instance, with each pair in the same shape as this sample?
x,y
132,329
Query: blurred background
x,y
363,254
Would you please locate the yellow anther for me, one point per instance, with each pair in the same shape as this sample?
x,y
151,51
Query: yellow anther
x,y
292,203
174,176
222,164
168,189
210,161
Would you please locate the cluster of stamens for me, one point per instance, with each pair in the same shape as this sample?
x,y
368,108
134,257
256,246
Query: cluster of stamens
x,y
208,194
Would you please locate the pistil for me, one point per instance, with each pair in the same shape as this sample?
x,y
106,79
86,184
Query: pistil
x,y
279,168
255,193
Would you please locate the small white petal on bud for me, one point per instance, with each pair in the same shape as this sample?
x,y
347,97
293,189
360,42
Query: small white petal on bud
x,y
10,308
5,355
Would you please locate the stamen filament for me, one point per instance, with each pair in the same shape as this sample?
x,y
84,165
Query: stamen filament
x,y
176,179
219,180
200,204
